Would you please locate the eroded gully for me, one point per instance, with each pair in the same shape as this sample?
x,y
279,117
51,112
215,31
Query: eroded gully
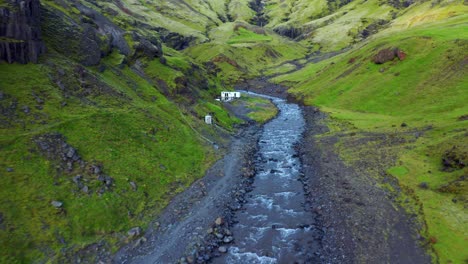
x,y
275,225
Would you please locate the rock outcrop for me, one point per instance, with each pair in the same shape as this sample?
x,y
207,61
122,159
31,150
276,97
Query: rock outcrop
x,y
20,32
387,54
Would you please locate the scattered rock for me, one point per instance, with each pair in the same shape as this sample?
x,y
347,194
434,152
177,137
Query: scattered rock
x,y
423,185
26,109
133,185
454,159
228,239
85,189
134,232
219,221
57,204
139,242
222,249
9,169
463,118
96,169
77,179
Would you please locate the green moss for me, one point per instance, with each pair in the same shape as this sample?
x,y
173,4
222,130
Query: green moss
x,y
246,36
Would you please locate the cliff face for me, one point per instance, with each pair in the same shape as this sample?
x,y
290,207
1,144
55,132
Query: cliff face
x,y
20,33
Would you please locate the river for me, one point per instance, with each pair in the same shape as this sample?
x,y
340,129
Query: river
x,y
274,225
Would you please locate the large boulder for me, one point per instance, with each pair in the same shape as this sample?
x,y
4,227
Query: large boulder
x,y
388,54
20,32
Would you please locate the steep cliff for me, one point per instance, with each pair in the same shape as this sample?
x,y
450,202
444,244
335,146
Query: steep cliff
x,y
20,33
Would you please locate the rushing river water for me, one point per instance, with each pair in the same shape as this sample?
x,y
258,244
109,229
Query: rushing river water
x,y
274,226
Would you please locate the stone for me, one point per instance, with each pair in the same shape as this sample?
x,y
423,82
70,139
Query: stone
x,y
403,124
190,259
26,109
9,169
85,189
228,239
133,185
219,221
96,169
148,49
57,204
388,54
70,152
77,179
139,242
423,185
134,232
219,235
222,249
108,181
210,231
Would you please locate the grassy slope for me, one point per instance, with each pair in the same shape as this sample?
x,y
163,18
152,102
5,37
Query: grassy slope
x,y
138,136
114,134
240,53
427,89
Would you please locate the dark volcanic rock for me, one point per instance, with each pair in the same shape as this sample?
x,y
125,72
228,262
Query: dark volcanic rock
x,y
150,48
175,40
454,159
387,54
20,32
288,31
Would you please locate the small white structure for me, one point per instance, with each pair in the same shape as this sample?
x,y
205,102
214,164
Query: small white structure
x,y
209,119
228,96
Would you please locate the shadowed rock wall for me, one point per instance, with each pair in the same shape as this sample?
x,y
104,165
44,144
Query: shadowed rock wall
x,y
20,32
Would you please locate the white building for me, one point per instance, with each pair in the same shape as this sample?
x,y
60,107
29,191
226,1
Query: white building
x,y
228,96
209,119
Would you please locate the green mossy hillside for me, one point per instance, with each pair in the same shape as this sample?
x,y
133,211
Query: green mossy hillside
x,y
151,147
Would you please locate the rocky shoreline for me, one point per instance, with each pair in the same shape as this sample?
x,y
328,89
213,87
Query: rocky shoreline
x,y
359,221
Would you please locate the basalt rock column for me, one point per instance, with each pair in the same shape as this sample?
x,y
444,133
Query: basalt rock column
x,y
20,32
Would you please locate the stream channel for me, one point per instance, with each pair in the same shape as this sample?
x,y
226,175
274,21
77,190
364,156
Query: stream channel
x,y
274,225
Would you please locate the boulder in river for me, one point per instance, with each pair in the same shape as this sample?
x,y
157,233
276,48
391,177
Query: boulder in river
x,y
222,249
219,221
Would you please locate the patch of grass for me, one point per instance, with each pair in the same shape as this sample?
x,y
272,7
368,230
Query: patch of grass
x,y
261,110
283,68
246,36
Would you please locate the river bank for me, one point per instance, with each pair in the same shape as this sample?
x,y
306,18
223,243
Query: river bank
x,y
359,221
